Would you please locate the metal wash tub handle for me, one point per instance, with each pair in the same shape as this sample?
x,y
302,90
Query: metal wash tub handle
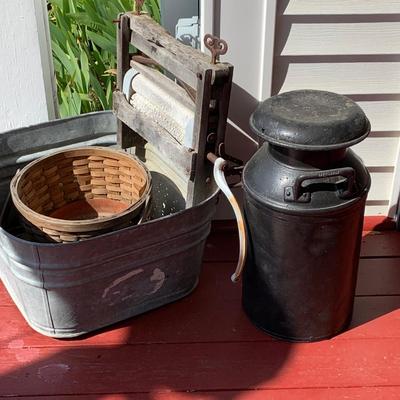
x,y
219,176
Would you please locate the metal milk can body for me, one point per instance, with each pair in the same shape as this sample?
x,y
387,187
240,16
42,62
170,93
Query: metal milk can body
x,y
305,194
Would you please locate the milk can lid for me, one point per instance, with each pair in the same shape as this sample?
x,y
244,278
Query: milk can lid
x,y
310,120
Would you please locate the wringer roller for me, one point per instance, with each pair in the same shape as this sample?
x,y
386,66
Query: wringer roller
x,y
180,119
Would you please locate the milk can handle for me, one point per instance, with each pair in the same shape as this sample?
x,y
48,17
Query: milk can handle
x,y
346,172
220,180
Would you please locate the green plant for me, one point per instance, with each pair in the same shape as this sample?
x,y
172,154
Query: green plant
x,y
84,51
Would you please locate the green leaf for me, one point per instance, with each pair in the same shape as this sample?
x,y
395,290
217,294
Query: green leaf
x,y
76,72
99,91
105,43
66,108
84,97
76,102
84,47
153,9
85,70
62,57
109,93
57,3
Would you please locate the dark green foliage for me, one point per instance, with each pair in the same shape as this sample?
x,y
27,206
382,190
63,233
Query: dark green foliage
x,y
84,51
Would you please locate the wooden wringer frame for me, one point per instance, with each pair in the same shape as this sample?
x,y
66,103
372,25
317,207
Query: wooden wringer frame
x,y
172,104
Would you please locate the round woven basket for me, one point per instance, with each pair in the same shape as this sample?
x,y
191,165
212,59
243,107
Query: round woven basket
x,y
75,194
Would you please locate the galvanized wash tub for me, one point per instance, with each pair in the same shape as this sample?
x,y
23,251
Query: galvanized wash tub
x,y
66,290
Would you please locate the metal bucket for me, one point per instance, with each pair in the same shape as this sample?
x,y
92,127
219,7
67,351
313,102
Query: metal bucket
x,y
66,290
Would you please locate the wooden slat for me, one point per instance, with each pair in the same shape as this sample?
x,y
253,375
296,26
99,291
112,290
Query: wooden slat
x,y
217,366
309,39
384,115
181,60
374,317
344,78
205,344
197,188
219,300
318,7
125,136
153,133
378,151
379,277
362,393
380,244
223,246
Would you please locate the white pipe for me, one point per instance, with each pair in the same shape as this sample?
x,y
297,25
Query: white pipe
x,y
220,180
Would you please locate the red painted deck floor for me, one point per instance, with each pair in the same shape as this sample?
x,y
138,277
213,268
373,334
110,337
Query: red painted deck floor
x,y
203,347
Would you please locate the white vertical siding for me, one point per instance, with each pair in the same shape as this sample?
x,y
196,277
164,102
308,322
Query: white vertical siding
x,y
251,52
333,7
350,47
25,65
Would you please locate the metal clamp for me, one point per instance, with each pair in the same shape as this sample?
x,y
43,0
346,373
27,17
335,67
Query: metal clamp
x,y
216,45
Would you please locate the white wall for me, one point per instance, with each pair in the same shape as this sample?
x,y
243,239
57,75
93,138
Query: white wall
x,y
249,31
346,46
349,47
27,84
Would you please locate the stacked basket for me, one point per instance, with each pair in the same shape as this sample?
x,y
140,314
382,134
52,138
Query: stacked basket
x,y
76,194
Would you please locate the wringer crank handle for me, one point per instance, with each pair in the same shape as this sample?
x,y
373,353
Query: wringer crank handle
x,y
219,176
216,46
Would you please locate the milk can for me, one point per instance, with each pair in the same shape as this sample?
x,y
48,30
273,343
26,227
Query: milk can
x,y
305,194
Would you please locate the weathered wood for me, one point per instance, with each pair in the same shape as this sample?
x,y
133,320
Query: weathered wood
x,y
203,169
379,276
125,136
201,366
183,61
230,361
223,107
364,393
153,133
374,244
210,83
218,300
123,58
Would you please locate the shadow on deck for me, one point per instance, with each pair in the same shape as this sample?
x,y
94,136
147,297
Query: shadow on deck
x,y
203,347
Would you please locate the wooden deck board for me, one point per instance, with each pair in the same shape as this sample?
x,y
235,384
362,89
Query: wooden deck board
x,y
200,366
204,347
359,393
223,245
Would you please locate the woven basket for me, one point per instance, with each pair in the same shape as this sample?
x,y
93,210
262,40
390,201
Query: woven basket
x,y
75,194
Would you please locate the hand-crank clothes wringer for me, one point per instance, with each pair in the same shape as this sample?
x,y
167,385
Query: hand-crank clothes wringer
x,y
172,123
182,120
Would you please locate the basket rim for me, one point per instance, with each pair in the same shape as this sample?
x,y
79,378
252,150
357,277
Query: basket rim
x,y
84,225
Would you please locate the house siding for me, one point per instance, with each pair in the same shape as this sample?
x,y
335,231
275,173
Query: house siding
x,y
350,47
